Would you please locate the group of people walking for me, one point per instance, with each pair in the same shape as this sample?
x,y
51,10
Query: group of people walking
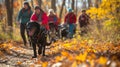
x,y
38,15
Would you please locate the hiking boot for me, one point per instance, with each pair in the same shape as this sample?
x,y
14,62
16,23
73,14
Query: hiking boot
x,y
34,56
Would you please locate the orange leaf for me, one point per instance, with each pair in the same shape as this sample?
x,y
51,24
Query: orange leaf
x,y
74,64
19,62
65,54
44,64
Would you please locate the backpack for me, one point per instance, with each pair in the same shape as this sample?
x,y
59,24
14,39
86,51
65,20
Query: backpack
x,y
23,11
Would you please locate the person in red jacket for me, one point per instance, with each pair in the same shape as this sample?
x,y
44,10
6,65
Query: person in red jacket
x,y
52,18
70,19
40,17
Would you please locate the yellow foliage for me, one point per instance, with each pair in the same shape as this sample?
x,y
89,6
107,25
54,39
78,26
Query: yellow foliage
x,y
78,53
67,45
81,57
74,64
102,60
71,58
58,58
44,64
65,54
107,9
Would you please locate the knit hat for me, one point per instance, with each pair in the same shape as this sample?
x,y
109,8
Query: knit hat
x,y
37,7
69,9
83,10
26,3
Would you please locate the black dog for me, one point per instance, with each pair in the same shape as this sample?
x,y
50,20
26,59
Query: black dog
x,y
37,35
63,31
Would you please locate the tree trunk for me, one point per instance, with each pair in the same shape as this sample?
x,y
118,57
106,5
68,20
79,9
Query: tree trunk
x,y
76,7
39,3
73,4
97,3
53,5
89,3
32,3
9,8
84,4
63,3
69,3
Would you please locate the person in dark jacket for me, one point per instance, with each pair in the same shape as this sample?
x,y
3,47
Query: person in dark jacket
x,y
70,19
24,17
83,21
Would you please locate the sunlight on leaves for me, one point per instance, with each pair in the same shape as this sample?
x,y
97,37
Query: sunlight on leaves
x,y
44,64
102,60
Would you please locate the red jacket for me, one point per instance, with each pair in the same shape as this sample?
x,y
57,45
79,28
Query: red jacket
x,y
70,18
53,18
44,18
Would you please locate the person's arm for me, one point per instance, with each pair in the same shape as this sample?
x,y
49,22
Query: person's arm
x,y
79,19
31,12
66,17
87,18
74,16
45,21
33,18
19,15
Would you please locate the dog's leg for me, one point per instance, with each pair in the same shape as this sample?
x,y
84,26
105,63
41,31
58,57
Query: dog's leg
x,y
39,49
43,49
34,50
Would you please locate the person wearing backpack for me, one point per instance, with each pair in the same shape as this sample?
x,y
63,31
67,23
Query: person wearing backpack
x,y
70,19
23,18
52,18
83,22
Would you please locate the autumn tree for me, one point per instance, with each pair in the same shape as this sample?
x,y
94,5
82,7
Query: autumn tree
x,y
97,3
0,12
84,4
39,3
9,8
32,3
53,5
73,4
61,10
107,19
89,3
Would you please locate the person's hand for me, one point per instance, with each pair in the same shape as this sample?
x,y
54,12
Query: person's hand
x,y
18,23
40,23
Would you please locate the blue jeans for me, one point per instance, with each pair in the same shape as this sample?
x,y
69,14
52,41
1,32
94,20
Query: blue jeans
x,y
71,28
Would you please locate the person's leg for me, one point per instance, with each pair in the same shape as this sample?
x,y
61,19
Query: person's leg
x,y
22,32
74,29
71,27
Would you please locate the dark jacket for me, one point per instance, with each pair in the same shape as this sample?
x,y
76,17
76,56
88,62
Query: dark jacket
x,y
24,15
83,20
